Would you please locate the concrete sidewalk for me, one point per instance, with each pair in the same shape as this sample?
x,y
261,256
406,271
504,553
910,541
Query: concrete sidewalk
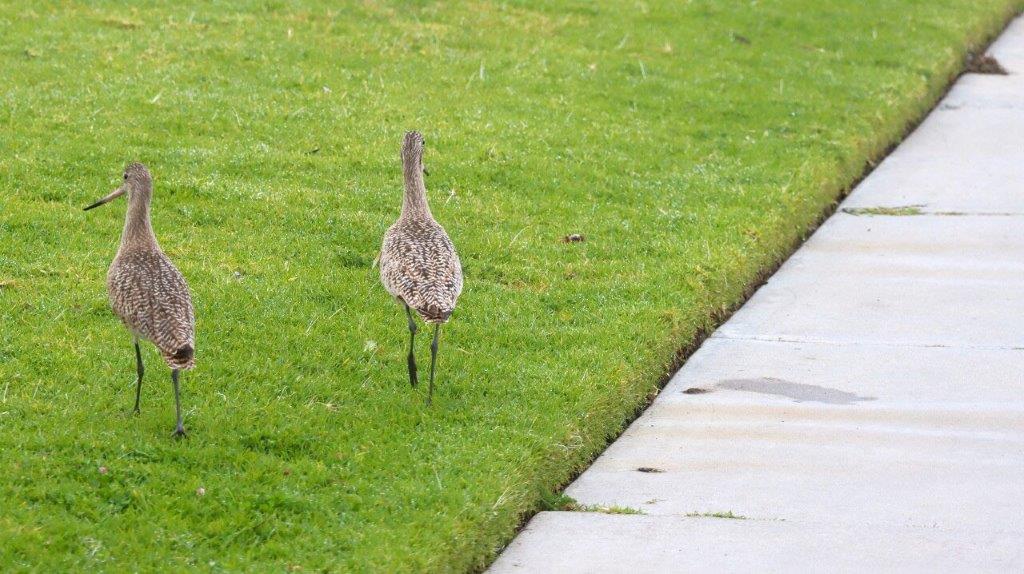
x,y
865,409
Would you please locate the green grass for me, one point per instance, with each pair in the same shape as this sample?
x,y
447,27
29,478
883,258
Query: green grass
x,y
726,514
900,211
691,144
563,502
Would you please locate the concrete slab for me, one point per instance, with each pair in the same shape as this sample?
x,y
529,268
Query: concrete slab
x,y
964,158
912,280
1009,47
811,463
849,374
801,431
985,92
591,543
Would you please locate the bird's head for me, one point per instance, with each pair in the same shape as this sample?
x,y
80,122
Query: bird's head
x,y
137,184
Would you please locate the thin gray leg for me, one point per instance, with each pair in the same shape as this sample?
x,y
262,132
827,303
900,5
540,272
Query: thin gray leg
x,y
433,361
412,339
138,369
179,430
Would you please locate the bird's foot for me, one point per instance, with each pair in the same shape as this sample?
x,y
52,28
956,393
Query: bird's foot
x,y
136,411
180,433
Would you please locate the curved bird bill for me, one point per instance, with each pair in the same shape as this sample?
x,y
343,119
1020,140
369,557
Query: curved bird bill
x,y
114,195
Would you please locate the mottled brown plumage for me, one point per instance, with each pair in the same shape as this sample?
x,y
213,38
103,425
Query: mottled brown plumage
x,y
146,291
418,263
419,266
151,298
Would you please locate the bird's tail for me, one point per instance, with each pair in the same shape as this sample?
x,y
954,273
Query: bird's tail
x,y
182,358
434,314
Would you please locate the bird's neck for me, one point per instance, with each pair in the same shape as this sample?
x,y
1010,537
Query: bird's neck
x,y
414,201
138,232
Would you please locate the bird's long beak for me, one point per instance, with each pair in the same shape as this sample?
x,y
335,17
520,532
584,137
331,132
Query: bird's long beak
x,y
116,194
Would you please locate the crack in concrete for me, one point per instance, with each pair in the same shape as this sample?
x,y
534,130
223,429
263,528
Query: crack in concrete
x,y
812,341
916,210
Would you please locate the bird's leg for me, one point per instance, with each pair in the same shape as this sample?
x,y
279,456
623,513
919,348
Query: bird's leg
x,y
138,369
433,361
179,430
412,339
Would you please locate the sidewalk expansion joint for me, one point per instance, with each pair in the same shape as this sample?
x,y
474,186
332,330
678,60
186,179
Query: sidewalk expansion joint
x,y
813,341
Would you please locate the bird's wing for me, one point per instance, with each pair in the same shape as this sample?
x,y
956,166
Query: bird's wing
x,y
419,265
392,261
151,297
456,272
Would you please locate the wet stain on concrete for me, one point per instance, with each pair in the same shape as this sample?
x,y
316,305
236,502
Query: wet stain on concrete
x,y
797,391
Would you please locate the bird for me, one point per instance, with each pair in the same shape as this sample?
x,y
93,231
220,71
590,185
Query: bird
x,y
418,263
146,290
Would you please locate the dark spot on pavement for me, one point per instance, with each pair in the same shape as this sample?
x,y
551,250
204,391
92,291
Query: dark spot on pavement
x,y
695,391
796,391
649,469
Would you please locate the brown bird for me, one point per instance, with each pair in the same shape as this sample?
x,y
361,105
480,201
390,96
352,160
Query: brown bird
x,y
418,263
146,291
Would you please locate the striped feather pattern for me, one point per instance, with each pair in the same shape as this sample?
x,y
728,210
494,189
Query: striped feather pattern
x,y
418,263
152,299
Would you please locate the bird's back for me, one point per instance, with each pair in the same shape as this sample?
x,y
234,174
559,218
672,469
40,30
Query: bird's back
x,y
152,299
419,265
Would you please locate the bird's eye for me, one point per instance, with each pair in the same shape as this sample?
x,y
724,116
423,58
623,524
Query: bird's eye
x,y
126,176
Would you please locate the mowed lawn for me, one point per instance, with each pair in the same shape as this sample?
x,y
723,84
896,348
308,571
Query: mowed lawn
x,y
690,143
